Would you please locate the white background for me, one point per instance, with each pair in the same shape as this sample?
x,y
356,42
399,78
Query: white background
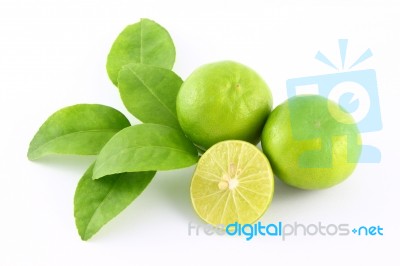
x,y
53,54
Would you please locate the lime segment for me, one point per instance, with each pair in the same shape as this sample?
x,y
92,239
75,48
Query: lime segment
x,y
233,182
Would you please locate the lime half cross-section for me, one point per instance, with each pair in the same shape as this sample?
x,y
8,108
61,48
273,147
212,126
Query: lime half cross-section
x,y
233,182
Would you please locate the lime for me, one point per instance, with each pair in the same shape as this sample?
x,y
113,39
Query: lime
x,y
222,101
312,142
233,182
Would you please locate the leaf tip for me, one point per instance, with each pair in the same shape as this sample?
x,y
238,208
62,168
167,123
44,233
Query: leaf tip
x,y
85,237
29,156
83,234
94,175
32,156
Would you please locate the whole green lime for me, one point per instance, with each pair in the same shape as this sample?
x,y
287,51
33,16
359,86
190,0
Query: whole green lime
x,y
223,101
311,142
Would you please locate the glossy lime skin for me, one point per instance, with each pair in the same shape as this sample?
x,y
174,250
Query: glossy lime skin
x,y
222,101
311,142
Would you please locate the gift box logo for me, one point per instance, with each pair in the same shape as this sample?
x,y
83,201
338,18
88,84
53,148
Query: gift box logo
x,y
354,90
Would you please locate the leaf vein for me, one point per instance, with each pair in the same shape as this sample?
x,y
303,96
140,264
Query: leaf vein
x,y
153,94
133,148
43,145
100,204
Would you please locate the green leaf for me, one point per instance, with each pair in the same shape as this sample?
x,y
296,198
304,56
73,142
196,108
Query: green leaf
x,y
96,202
145,147
81,129
144,42
149,93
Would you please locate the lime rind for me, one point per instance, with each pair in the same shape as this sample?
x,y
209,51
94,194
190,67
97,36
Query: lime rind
x,y
307,146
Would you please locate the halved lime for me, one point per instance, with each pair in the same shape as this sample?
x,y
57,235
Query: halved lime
x,y
233,182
